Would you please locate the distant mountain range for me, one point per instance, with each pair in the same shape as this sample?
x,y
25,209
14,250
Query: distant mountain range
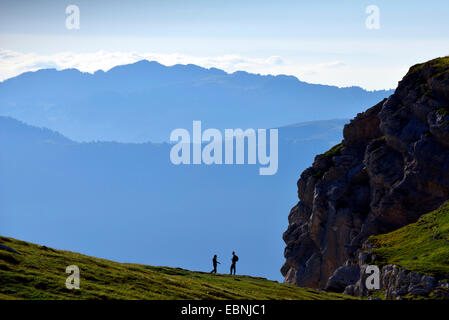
x,y
125,200
145,101
129,203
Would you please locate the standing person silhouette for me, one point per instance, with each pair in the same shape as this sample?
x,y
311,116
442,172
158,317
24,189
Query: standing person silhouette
x,y
234,261
214,263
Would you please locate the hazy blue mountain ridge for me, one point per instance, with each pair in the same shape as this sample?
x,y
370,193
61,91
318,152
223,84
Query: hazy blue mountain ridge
x,y
145,101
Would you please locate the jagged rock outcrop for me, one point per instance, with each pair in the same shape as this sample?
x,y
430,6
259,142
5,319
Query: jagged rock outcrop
x,y
398,283
391,167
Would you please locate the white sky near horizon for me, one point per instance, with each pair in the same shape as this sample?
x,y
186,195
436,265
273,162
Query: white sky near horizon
x,y
323,42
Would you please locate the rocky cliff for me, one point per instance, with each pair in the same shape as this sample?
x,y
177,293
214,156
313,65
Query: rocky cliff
x,y
391,167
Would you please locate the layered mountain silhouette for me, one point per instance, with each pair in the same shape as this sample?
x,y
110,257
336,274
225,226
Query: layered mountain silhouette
x,y
390,169
145,101
129,203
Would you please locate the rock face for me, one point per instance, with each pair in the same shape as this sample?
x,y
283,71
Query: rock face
x,y
397,282
6,248
391,167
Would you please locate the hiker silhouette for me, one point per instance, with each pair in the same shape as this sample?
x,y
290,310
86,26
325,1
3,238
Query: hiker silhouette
x,y
234,261
214,263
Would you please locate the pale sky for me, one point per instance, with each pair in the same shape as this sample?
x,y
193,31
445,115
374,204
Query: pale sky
x,y
323,42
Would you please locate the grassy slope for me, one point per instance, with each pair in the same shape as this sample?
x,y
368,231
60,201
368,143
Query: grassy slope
x,y
39,273
421,247
440,66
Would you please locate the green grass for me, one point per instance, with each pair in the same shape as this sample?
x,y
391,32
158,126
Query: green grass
x,y
39,273
421,247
